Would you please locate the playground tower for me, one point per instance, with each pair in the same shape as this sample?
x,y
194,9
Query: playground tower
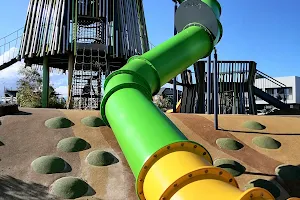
x,y
89,38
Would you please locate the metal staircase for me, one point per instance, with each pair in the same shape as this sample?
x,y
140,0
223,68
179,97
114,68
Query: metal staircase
x,y
264,81
87,78
9,48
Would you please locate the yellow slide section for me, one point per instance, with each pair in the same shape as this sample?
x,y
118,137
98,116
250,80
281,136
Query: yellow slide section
x,y
178,106
184,175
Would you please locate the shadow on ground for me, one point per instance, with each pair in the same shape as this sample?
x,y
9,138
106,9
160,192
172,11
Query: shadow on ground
x,y
291,186
15,189
21,113
266,133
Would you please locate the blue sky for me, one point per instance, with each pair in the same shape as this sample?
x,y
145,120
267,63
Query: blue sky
x,y
265,31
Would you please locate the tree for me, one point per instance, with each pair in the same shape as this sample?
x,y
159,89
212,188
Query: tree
x,y
30,90
162,103
54,101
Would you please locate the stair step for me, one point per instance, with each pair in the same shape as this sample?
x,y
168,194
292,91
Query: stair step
x,y
7,64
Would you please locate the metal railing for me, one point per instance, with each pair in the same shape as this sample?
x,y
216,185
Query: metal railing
x,y
268,84
151,46
10,46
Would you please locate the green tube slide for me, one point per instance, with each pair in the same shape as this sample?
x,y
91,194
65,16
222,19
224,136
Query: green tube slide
x,y
139,126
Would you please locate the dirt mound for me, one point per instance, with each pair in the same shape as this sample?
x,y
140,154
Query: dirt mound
x,y
69,187
233,167
48,165
101,158
58,122
266,142
229,144
92,121
73,144
253,125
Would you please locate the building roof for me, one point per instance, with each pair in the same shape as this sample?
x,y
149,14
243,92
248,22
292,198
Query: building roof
x,y
167,91
10,93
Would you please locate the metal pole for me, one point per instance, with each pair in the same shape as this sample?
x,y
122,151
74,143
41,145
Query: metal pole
x,y
208,85
45,93
216,89
70,77
175,78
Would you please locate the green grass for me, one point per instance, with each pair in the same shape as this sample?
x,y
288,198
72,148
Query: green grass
x,y
231,166
271,187
288,172
72,144
229,144
266,142
92,121
69,188
253,125
101,158
58,122
48,165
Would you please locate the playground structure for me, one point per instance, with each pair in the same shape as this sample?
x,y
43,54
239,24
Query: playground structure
x,y
237,89
89,42
133,85
88,38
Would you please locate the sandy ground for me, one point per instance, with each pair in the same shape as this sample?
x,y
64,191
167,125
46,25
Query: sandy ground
x,y
286,130
201,130
111,182
25,138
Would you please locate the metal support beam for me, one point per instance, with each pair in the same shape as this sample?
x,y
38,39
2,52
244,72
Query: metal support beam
x,y
252,103
199,68
45,93
175,78
208,85
70,78
216,106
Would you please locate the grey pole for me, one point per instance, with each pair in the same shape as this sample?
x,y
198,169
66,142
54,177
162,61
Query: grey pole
x,y
208,85
174,79
216,89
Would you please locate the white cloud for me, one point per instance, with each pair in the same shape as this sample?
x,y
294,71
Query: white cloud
x,y
58,80
11,72
8,55
62,90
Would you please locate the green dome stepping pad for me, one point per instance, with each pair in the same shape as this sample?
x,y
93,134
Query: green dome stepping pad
x,y
93,121
50,165
101,158
268,185
58,122
253,125
288,172
266,142
231,166
229,144
73,144
69,188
